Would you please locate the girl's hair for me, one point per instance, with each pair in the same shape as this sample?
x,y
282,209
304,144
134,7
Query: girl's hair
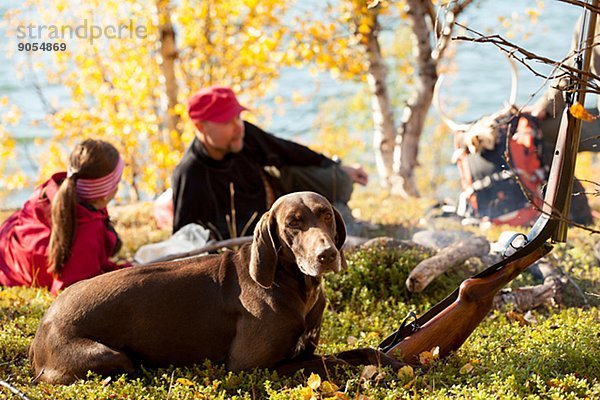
x,y
90,159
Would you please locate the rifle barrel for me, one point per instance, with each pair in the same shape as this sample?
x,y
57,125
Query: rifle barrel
x,y
574,128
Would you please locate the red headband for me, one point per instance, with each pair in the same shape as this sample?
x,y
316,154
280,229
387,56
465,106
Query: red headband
x,y
88,189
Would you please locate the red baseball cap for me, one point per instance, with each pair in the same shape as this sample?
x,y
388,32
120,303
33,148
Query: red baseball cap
x,y
215,104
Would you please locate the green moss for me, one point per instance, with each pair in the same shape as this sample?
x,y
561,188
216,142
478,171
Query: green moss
x,y
555,358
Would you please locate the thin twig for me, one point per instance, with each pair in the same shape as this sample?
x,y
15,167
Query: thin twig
x,y
578,288
252,218
233,216
13,390
214,230
591,138
229,229
512,49
170,385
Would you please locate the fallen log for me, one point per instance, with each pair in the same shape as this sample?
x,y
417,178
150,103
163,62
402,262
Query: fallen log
x,y
530,297
429,269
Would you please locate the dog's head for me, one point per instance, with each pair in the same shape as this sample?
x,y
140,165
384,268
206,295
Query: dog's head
x,y
302,228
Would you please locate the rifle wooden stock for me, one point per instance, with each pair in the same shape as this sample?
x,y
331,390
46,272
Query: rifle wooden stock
x,y
452,326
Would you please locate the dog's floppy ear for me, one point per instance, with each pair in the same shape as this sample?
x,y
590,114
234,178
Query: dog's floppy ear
x,y
340,229
340,236
263,256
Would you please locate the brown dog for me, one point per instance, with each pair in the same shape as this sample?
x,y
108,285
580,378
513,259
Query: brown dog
x,y
258,307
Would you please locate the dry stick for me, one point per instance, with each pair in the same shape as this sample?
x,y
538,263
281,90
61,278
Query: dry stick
x,y
252,218
214,230
591,138
228,222
588,181
13,390
170,385
233,218
210,246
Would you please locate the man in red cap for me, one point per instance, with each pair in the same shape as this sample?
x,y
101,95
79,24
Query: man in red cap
x,y
229,153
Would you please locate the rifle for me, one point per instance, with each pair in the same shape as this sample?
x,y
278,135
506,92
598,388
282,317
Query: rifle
x,y
450,322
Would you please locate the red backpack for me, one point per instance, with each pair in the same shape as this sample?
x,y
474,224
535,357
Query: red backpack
x,y
489,178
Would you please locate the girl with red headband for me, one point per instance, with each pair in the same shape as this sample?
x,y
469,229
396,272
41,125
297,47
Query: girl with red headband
x,y
63,233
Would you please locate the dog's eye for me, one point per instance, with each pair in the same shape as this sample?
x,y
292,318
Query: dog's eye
x,y
327,216
294,223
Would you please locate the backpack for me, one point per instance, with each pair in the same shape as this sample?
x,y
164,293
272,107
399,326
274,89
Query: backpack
x,y
490,186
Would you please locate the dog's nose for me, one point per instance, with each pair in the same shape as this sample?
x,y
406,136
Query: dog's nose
x,y
327,256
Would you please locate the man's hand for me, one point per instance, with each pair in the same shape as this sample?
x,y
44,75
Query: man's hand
x,y
356,173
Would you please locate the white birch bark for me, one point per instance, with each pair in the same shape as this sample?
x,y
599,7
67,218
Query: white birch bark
x,y
384,135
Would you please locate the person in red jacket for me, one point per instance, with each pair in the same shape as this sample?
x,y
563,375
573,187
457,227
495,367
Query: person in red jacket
x,y
63,233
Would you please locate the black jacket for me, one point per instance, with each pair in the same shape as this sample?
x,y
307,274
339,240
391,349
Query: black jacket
x,y
201,184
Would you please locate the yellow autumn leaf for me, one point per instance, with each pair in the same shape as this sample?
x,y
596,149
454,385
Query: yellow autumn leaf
x,y
578,111
329,387
4,100
314,381
185,382
428,357
307,393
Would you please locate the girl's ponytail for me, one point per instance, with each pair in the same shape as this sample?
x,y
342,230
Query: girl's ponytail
x,y
63,224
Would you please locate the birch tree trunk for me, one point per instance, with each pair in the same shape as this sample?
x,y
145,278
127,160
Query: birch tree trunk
x,y
384,135
413,117
168,52
427,58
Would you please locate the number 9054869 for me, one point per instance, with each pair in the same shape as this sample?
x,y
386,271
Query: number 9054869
x,y
44,46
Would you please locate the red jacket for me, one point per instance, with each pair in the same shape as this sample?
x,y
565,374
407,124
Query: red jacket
x,y
25,235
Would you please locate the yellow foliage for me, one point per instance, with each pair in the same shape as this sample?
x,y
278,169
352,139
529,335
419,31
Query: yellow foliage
x,y
314,381
429,357
579,112
185,382
117,87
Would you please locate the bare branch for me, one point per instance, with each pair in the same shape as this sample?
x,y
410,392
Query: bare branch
x,y
582,4
514,51
445,32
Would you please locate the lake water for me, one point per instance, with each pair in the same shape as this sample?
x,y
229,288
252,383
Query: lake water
x,y
482,80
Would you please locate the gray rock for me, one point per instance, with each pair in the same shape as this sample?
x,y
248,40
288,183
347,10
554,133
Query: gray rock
x,y
439,239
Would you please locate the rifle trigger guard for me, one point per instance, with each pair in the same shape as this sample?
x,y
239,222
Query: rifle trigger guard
x,y
391,341
510,244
